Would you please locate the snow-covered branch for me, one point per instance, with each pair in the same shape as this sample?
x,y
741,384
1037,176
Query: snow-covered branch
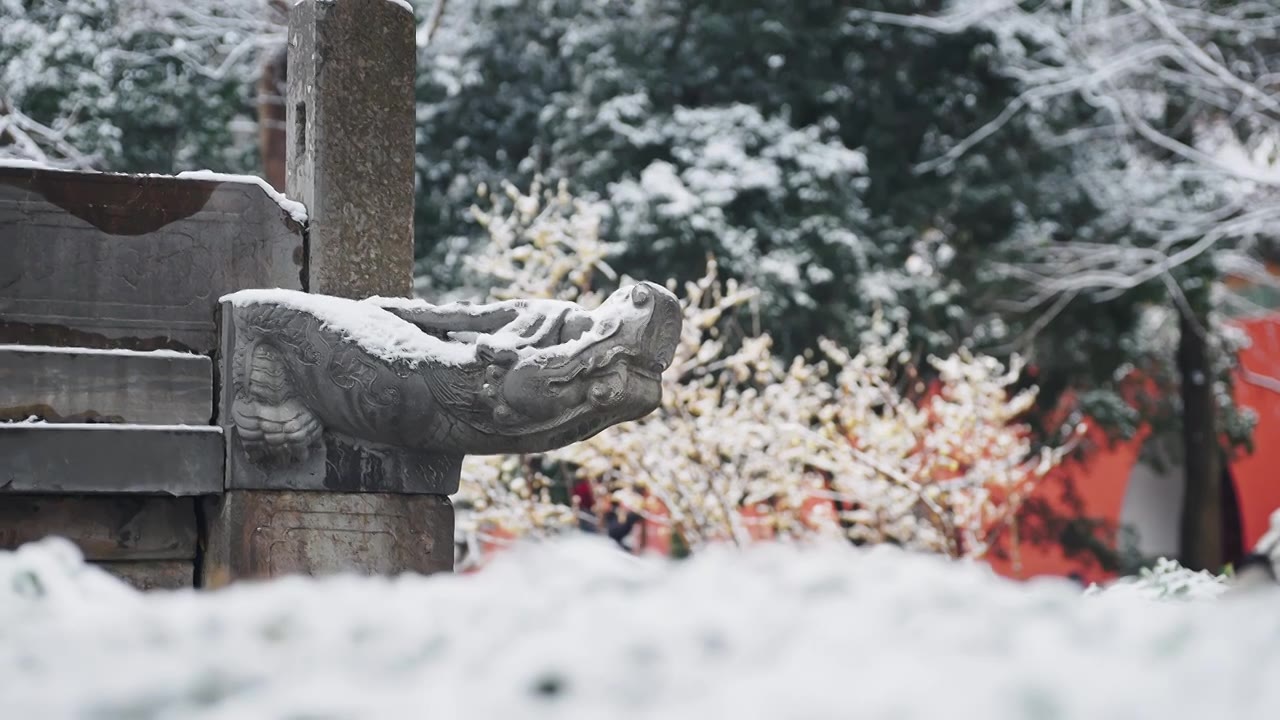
x,y
75,76
1172,121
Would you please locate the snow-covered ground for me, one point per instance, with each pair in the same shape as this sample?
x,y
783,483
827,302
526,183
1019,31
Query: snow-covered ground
x,y
575,629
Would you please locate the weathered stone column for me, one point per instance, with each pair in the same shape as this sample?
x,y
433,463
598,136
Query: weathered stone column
x,y
350,127
354,506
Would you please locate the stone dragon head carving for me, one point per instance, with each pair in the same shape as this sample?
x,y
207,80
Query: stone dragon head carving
x,y
506,377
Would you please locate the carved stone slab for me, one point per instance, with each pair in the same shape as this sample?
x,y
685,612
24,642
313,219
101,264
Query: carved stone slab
x,y
103,260
259,534
340,463
344,464
122,527
74,458
79,385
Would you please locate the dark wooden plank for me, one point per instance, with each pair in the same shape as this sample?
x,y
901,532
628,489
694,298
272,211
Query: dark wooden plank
x,y
80,384
105,260
76,458
154,575
113,527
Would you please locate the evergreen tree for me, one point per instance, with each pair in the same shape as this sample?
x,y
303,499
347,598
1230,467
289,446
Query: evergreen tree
x,y
145,86
784,138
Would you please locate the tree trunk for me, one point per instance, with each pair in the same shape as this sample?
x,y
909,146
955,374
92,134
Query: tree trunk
x,y
1200,543
271,117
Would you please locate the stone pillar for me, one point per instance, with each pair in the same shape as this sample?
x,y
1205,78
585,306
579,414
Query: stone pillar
x,y
350,146
352,506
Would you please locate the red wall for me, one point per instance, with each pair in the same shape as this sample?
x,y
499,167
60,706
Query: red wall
x,y
1101,480
1257,484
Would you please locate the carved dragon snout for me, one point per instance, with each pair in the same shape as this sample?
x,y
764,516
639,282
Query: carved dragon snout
x,y
616,354
516,376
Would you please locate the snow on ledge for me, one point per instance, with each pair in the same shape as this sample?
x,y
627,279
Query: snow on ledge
x,y
52,426
24,164
59,350
402,3
296,210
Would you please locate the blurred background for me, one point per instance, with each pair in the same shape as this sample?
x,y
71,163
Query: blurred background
x,y
889,196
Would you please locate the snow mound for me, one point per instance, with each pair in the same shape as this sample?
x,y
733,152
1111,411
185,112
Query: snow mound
x,y
576,629
51,578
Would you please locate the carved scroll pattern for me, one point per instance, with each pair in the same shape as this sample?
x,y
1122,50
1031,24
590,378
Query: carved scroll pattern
x,y
351,369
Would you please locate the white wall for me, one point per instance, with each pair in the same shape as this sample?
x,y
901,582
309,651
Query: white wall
x,y
1153,507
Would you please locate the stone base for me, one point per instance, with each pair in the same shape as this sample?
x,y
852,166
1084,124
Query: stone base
x,y
269,533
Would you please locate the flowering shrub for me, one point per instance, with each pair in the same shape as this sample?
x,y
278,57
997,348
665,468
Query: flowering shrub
x,y
746,445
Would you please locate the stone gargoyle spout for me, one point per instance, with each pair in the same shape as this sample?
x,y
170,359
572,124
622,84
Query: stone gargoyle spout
x,y
507,377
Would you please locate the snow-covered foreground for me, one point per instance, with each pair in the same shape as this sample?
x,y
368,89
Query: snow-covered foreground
x,y
576,629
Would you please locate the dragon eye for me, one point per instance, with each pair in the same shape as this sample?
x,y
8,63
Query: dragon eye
x,y
641,295
602,394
